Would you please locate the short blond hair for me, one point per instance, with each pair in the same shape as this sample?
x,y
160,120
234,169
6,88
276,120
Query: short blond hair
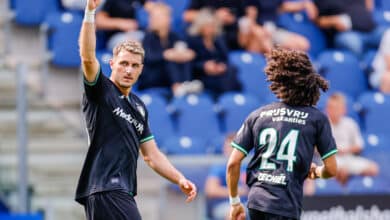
x,y
160,6
130,46
204,17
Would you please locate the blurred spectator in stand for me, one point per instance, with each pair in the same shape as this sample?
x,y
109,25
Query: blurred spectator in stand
x,y
258,28
349,24
349,142
216,189
227,12
118,19
385,84
167,58
211,63
381,63
74,4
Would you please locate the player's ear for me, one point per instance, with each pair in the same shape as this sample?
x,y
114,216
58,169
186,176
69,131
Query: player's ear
x,y
111,62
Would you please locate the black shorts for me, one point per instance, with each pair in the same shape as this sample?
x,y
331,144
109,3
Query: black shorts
x,y
111,205
258,215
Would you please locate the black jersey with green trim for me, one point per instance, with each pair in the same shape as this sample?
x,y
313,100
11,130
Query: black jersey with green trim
x,y
283,138
116,126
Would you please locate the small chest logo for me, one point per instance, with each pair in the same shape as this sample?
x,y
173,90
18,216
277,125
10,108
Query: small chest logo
x,y
141,110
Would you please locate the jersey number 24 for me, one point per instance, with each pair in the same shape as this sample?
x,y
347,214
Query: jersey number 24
x,y
285,151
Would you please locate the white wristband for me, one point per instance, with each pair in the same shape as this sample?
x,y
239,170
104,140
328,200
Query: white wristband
x,y
234,200
89,16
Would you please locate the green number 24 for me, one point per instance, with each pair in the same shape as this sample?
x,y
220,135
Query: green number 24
x,y
286,149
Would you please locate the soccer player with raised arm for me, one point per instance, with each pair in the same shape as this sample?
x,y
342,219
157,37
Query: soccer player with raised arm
x,y
118,128
283,137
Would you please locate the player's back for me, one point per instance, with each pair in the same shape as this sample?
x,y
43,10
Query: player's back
x,y
283,138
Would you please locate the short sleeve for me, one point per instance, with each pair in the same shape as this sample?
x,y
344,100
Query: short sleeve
x,y
147,133
244,139
326,144
94,90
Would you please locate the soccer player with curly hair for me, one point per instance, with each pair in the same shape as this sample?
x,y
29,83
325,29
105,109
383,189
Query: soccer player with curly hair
x,y
283,137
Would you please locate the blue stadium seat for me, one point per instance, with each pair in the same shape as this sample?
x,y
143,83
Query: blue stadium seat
x,y
329,187
368,185
178,8
142,17
382,16
104,57
376,144
380,155
12,216
196,116
33,12
235,107
321,104
63,34
383,4
251,74
301,24
367,60
375,109
185,145
343,71
215,145
159,118
11,4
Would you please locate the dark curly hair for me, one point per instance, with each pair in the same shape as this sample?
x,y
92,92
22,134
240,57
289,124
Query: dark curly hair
x,y
293,78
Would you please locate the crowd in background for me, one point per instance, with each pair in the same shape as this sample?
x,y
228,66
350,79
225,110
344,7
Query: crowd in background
x,y
194,45
187,52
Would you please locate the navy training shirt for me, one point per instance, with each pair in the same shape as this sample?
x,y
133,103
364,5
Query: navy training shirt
x,y
116,125
283,138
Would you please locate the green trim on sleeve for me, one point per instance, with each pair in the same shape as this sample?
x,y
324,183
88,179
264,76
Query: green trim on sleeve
x,y
329,154
238,147
147,139
94,81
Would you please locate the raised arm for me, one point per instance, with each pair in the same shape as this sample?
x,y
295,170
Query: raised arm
x,y
159,163
87,42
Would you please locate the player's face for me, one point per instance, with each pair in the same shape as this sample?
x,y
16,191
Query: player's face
x,y
126,68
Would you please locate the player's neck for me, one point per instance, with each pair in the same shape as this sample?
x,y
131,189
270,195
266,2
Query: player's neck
x,y
124,90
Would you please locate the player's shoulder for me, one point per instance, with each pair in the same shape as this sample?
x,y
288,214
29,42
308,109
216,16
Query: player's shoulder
x,y
256,113
315,113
